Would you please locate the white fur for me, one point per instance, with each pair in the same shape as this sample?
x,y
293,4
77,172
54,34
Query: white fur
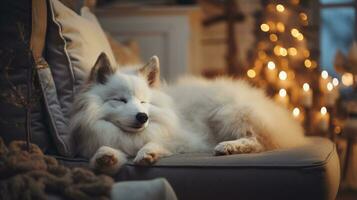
x,y
194,115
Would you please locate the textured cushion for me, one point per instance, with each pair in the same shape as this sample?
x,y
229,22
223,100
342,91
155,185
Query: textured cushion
x,y
307,172
73,43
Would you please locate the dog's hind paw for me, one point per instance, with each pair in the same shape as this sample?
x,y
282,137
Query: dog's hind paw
x,y
107,160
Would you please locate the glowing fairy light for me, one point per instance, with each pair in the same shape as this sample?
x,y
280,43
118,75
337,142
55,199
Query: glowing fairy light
x,y
294,32
277,50
271,65
282,92
335,82
296,112
303,16
306,87
280,8
347,79
323,110
265,27
251,73
324,74
307,63
329,86
273,37
283,51
292,51
283,75
300,37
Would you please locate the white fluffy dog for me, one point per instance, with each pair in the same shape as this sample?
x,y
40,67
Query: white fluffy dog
x,y
126,113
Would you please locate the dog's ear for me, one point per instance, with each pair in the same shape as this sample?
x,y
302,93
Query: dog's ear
x,y
101,70
151,71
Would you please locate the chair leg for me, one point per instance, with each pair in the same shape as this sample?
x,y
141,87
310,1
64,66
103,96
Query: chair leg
x,y
347,157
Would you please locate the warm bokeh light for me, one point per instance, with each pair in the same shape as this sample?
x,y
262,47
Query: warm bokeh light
x,y
313,64
271,65
335,82
251,73
300,37
280,8
303,16
283,75
307,63
277,50
273,37
280,26
324,74
264,27
306,87
296,112
323,110
282,92
294,32
329,86
292,51
283,51
347,79
337,130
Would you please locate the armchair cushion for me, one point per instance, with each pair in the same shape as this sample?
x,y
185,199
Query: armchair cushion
x,y
306,172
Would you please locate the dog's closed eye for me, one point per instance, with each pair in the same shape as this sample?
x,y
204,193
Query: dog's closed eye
x,y
123,100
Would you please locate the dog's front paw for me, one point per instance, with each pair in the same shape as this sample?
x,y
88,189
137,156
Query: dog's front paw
x,y
145,157
106,160
243,145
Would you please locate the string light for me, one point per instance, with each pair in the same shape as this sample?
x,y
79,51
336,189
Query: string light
x,y
307,63
271,65
277,50
303,16
300,37
324,74
292,51
329,86
283,75
337,130
294,32
264,27
280,8
251,73
306,87
283,51
282,92
273,37
323,110
335,82
347,79
296,112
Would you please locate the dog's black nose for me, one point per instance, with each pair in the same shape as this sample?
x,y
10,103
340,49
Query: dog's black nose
x,y
142,117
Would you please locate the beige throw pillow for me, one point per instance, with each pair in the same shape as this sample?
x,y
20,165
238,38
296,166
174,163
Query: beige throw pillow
x,y
84,39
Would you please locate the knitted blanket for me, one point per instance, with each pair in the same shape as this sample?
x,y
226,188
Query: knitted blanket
x,y
33,175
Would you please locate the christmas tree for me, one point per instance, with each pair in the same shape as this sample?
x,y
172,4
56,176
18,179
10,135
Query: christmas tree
x,y
283,65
